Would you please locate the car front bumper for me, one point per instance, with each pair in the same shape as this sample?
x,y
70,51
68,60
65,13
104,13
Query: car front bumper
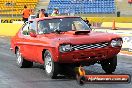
x,y
88,55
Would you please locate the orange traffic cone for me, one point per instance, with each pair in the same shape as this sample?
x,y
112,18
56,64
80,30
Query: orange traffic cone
x,y
113,26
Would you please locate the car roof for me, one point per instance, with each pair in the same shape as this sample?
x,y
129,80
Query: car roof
x,y
56,17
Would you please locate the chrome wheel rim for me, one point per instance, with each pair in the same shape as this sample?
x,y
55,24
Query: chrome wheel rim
x,y
19,58
48,64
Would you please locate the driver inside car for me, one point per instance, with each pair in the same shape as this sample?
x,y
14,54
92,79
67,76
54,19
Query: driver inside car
x,y
43,28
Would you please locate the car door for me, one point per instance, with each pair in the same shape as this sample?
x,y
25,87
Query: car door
x,y
41,39
28,46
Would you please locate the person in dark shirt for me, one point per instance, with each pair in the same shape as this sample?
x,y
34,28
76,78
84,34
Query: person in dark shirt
x,y
46,14
87,21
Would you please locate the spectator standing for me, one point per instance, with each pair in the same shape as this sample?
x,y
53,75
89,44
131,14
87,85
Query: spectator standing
x,y
25,13
55,12
42,13
86,21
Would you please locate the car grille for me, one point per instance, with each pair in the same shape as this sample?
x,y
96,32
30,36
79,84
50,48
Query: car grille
x,y
90,46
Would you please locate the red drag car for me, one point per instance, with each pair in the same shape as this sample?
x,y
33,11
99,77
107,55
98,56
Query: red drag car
x,y
55,41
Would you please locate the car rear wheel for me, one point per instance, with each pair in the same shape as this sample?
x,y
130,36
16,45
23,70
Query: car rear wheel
x,y
21,62
109,65
51,67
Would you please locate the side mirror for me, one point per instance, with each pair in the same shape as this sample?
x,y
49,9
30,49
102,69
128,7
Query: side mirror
x,y
32,34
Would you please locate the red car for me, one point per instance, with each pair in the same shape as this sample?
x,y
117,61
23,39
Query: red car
x,y
57,41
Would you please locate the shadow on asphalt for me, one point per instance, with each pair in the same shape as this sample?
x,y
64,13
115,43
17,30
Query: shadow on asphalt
x,y
68,74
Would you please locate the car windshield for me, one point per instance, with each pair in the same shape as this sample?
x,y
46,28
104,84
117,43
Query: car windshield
x,y
61,24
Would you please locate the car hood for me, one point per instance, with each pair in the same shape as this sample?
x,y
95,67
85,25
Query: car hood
x,y
70,37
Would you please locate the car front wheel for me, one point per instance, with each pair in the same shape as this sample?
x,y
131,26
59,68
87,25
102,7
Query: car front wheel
x,y
21,62
109,65
51,67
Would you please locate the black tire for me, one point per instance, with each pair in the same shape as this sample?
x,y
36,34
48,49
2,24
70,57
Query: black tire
x,y
109,65
21,62
53,72
68,70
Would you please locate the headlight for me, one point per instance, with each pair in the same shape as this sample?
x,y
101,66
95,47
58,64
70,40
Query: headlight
x,y
65,48
115,43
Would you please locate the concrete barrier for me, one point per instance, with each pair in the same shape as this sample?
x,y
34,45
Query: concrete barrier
x,y
117,24
109,19
9,29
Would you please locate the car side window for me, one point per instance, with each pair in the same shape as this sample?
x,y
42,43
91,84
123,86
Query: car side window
x,y
25,30
29,27
77,25
32,27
